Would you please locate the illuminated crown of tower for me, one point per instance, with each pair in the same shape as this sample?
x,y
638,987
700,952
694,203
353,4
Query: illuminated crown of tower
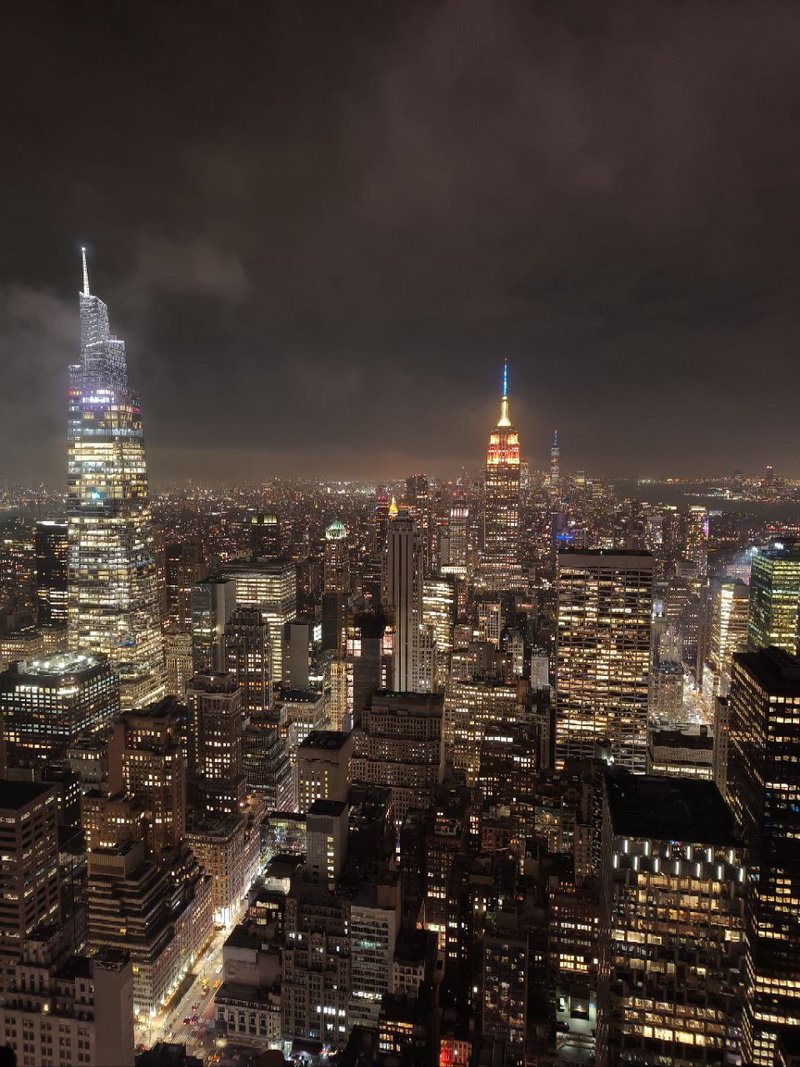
x,y
504,419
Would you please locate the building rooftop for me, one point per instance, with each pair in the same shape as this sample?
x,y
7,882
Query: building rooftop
x,y
607,554
328,807
702,741
668,809
16,795
332,740
60,663
774,668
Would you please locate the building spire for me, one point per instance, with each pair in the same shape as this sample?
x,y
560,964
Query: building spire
x,y
504,419
85,273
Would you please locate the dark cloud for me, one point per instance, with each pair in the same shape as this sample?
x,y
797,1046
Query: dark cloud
x,y
320,227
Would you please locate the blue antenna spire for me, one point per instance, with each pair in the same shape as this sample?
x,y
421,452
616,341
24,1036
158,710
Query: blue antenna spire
x,y
504,419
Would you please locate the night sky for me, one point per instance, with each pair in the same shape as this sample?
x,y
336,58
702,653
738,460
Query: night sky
x,y
320,227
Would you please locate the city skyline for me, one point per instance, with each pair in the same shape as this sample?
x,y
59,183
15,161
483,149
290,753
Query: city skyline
x,y
356,217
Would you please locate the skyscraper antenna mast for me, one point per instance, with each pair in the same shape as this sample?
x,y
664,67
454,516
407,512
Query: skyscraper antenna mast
x,y
85,273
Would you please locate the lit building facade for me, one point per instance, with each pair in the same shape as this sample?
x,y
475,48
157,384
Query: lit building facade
x,y
113,600
775,597
249,658
272,587
216,726
399,746
46,704
500,564
403,595
673,883
50,553
605,605
336,558
764,792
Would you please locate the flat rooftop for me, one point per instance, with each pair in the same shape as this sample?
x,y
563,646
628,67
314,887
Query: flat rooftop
x,y
327,807
16,795
332,740
60,663
775,669
669,809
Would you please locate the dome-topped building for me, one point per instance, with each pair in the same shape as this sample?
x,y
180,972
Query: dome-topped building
x,y
337,531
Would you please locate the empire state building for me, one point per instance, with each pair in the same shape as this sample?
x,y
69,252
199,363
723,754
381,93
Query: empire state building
x,y
113,604
500,567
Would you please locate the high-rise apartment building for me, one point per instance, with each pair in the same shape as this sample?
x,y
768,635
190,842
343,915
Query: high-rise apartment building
x,y
399,746
673,882
50,554
775,596
271,586
146,761
61,1010
47,703
216,725
500,563
249,658
113,601
457,559
764,792
160,914
605,605
265,535
323,767
29,874
184,567
213,601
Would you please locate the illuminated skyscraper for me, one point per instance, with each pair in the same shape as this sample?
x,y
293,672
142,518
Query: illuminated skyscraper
x,y
50,550
764,792
413,641
774,596
605,604
113,603
419,497
270,585
555,471
500,565
337,558
728,631
249,658
672,889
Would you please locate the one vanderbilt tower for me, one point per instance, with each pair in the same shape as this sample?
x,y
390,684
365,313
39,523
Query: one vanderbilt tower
x,y
113,594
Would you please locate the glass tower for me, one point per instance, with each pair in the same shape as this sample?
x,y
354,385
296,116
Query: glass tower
x,y
775,596
113,604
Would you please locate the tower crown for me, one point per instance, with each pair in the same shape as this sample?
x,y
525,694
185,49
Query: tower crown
x,y
504,419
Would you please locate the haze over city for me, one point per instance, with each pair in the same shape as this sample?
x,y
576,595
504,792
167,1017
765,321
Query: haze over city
x,y
321,228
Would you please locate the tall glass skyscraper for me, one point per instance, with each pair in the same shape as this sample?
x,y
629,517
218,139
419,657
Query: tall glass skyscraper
x,y
113,604
500,568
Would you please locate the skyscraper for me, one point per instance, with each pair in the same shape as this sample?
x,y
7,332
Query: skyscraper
x,y
764,792
404,598
50,551
337,561
775,596
113,603
728,631
249,659
555,471
270,585
605,604
671,922
500,564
